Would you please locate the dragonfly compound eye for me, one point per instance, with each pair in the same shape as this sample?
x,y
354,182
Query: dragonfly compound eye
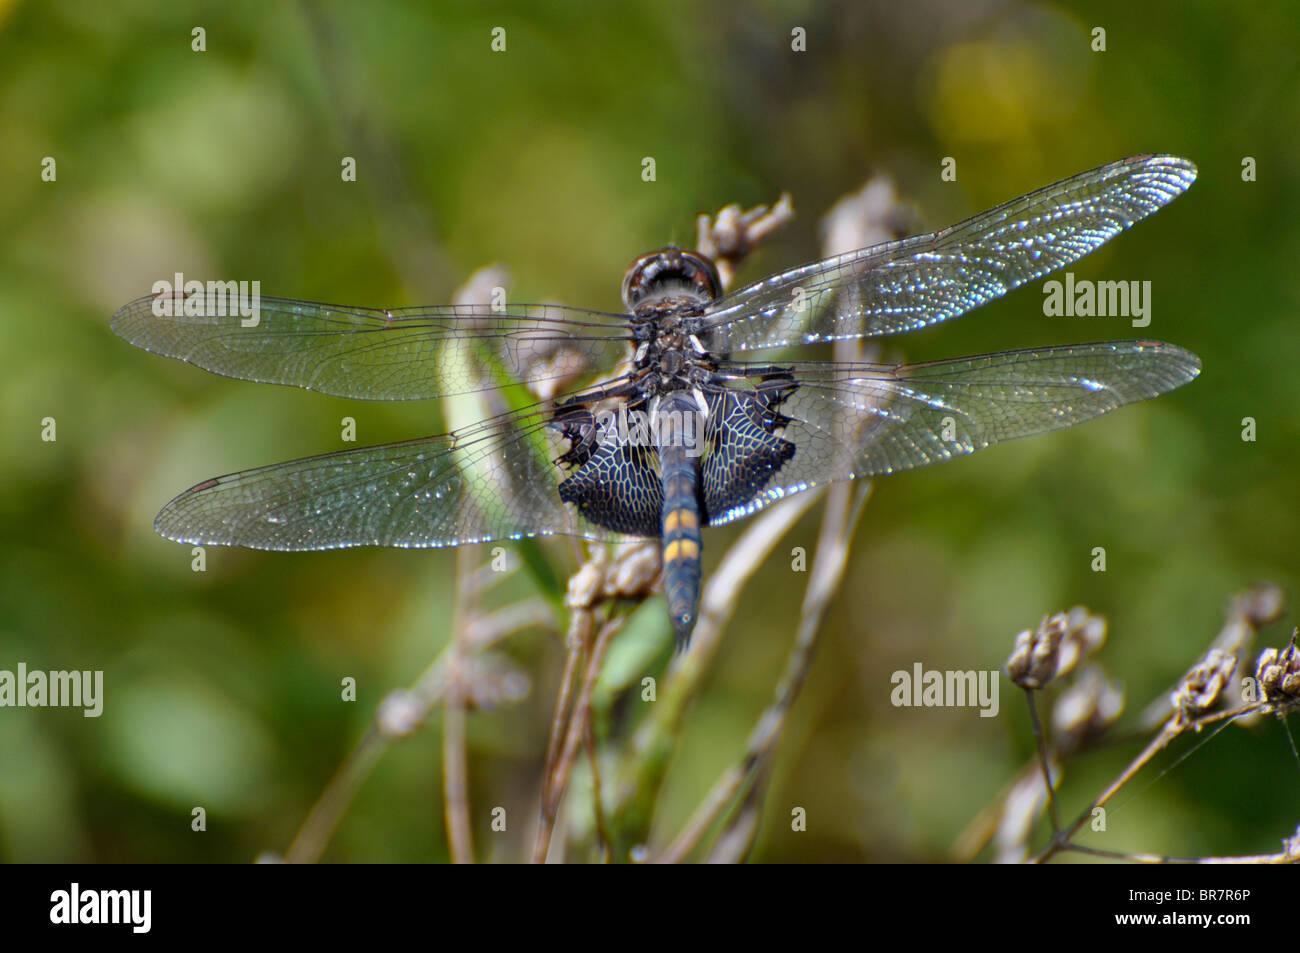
x,y
670,272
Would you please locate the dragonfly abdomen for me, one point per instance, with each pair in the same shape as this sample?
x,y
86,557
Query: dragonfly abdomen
x,y
681,542
682,513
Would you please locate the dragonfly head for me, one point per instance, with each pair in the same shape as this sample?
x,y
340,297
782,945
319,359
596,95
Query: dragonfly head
x,y
670,275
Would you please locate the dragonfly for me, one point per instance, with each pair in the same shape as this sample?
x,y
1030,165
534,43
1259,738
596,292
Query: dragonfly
x,y
688,409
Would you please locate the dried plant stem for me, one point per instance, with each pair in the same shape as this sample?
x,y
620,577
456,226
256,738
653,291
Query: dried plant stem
x,y
1282,857
980,830
650,751
455,781
426,694
1040,739
558,777
577,647
984,826
455,759
578,639
843,510
597,798
736,840
1172,729
323,819
721,795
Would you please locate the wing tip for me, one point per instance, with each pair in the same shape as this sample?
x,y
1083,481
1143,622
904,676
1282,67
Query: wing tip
x,y
171,522
130,310
1180,365
1181,171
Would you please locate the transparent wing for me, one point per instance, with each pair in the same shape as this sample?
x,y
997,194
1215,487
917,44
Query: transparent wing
x,y
859,420
920,281
492,481
378,354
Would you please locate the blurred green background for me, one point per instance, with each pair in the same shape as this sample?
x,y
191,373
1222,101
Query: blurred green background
x,y
222,687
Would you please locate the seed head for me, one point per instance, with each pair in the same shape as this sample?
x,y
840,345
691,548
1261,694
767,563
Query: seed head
x,y
1086,709
1278,673
1055,647
1201,688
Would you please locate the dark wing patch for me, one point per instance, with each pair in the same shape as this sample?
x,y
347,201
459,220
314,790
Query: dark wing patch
x,y
618,487
743,451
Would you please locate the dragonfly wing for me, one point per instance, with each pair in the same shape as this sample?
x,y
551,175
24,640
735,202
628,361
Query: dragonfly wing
x,y
859,420
492,481
920,281
378,354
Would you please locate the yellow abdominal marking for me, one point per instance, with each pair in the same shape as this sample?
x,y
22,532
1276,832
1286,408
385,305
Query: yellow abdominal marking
x,y
681,549
679,518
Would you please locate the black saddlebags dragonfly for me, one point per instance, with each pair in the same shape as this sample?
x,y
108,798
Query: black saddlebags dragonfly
x,y
722,424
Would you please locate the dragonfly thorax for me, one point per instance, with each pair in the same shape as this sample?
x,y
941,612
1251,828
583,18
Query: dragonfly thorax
x,y
672,359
